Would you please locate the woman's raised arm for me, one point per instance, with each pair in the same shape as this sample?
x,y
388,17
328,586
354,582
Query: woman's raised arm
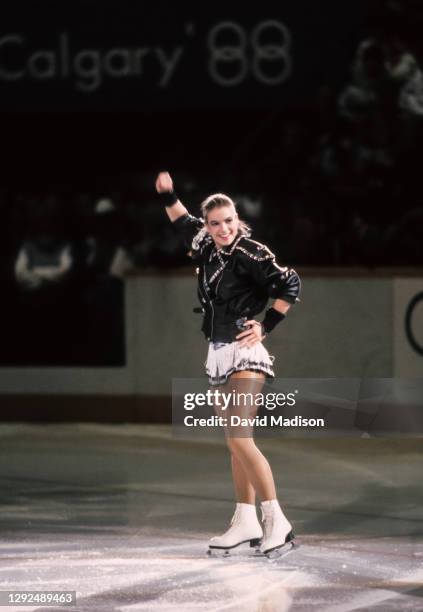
x,y
174,208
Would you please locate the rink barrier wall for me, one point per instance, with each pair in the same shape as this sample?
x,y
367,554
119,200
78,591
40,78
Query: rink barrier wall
x,y
349,325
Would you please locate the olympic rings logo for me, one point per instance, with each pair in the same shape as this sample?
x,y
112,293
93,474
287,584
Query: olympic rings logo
x,y
229,64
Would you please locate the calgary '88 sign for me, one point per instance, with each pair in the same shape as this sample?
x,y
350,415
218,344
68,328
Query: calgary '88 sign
x,y
249,53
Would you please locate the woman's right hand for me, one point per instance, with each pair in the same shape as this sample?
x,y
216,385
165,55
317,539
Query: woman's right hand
x,y
174,207
164,182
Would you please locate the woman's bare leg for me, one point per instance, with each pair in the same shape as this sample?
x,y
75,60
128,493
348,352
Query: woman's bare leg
x,y
244,490
255,464
250,469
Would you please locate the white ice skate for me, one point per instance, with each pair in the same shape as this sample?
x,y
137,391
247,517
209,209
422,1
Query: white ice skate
x,y
278,532
244,528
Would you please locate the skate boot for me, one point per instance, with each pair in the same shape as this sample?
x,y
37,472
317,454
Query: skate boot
x,y
277,530
245,527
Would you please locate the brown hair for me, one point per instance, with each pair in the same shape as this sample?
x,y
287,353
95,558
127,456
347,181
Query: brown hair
x,y
218,200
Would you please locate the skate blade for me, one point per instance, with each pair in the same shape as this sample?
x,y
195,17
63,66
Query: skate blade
x,y
217,552
281,551
226,552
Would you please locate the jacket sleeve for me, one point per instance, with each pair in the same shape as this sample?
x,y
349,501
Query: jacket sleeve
x,y
193,232
278,282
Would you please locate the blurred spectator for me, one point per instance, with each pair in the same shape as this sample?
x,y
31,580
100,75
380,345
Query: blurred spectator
x,y
44,309
102,240
371,83
104,263
411,96
43,263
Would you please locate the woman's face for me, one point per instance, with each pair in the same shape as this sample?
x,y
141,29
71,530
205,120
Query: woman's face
x,y
222,224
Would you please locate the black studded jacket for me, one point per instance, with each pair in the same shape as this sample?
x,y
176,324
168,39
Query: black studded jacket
x,y
235,281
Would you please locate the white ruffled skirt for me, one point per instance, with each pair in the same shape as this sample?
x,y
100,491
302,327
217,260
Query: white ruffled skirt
x,y
223,359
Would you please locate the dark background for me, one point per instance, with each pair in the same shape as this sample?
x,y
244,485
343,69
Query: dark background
x,y
324,163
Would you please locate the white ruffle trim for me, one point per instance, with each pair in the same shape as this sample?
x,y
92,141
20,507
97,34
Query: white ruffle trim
x,y
225,359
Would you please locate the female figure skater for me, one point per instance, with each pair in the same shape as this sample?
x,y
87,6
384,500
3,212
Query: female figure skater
x,y
236,278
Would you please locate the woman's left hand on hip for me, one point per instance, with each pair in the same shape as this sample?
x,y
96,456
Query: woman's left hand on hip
x,y
252,335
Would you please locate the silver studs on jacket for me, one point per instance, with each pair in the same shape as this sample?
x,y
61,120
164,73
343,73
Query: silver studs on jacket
x,y
269,255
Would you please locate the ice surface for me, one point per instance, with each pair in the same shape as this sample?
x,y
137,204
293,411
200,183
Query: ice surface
x,y
122,515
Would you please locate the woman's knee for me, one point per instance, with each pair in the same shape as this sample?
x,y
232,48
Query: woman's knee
x,y
239,445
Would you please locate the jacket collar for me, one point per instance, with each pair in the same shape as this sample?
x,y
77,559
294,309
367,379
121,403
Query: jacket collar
x,y
226,250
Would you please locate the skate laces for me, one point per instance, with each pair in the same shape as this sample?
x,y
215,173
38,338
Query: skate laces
x,y
267,519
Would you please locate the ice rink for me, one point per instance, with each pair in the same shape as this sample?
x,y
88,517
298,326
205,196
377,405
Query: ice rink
x,y
122,515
